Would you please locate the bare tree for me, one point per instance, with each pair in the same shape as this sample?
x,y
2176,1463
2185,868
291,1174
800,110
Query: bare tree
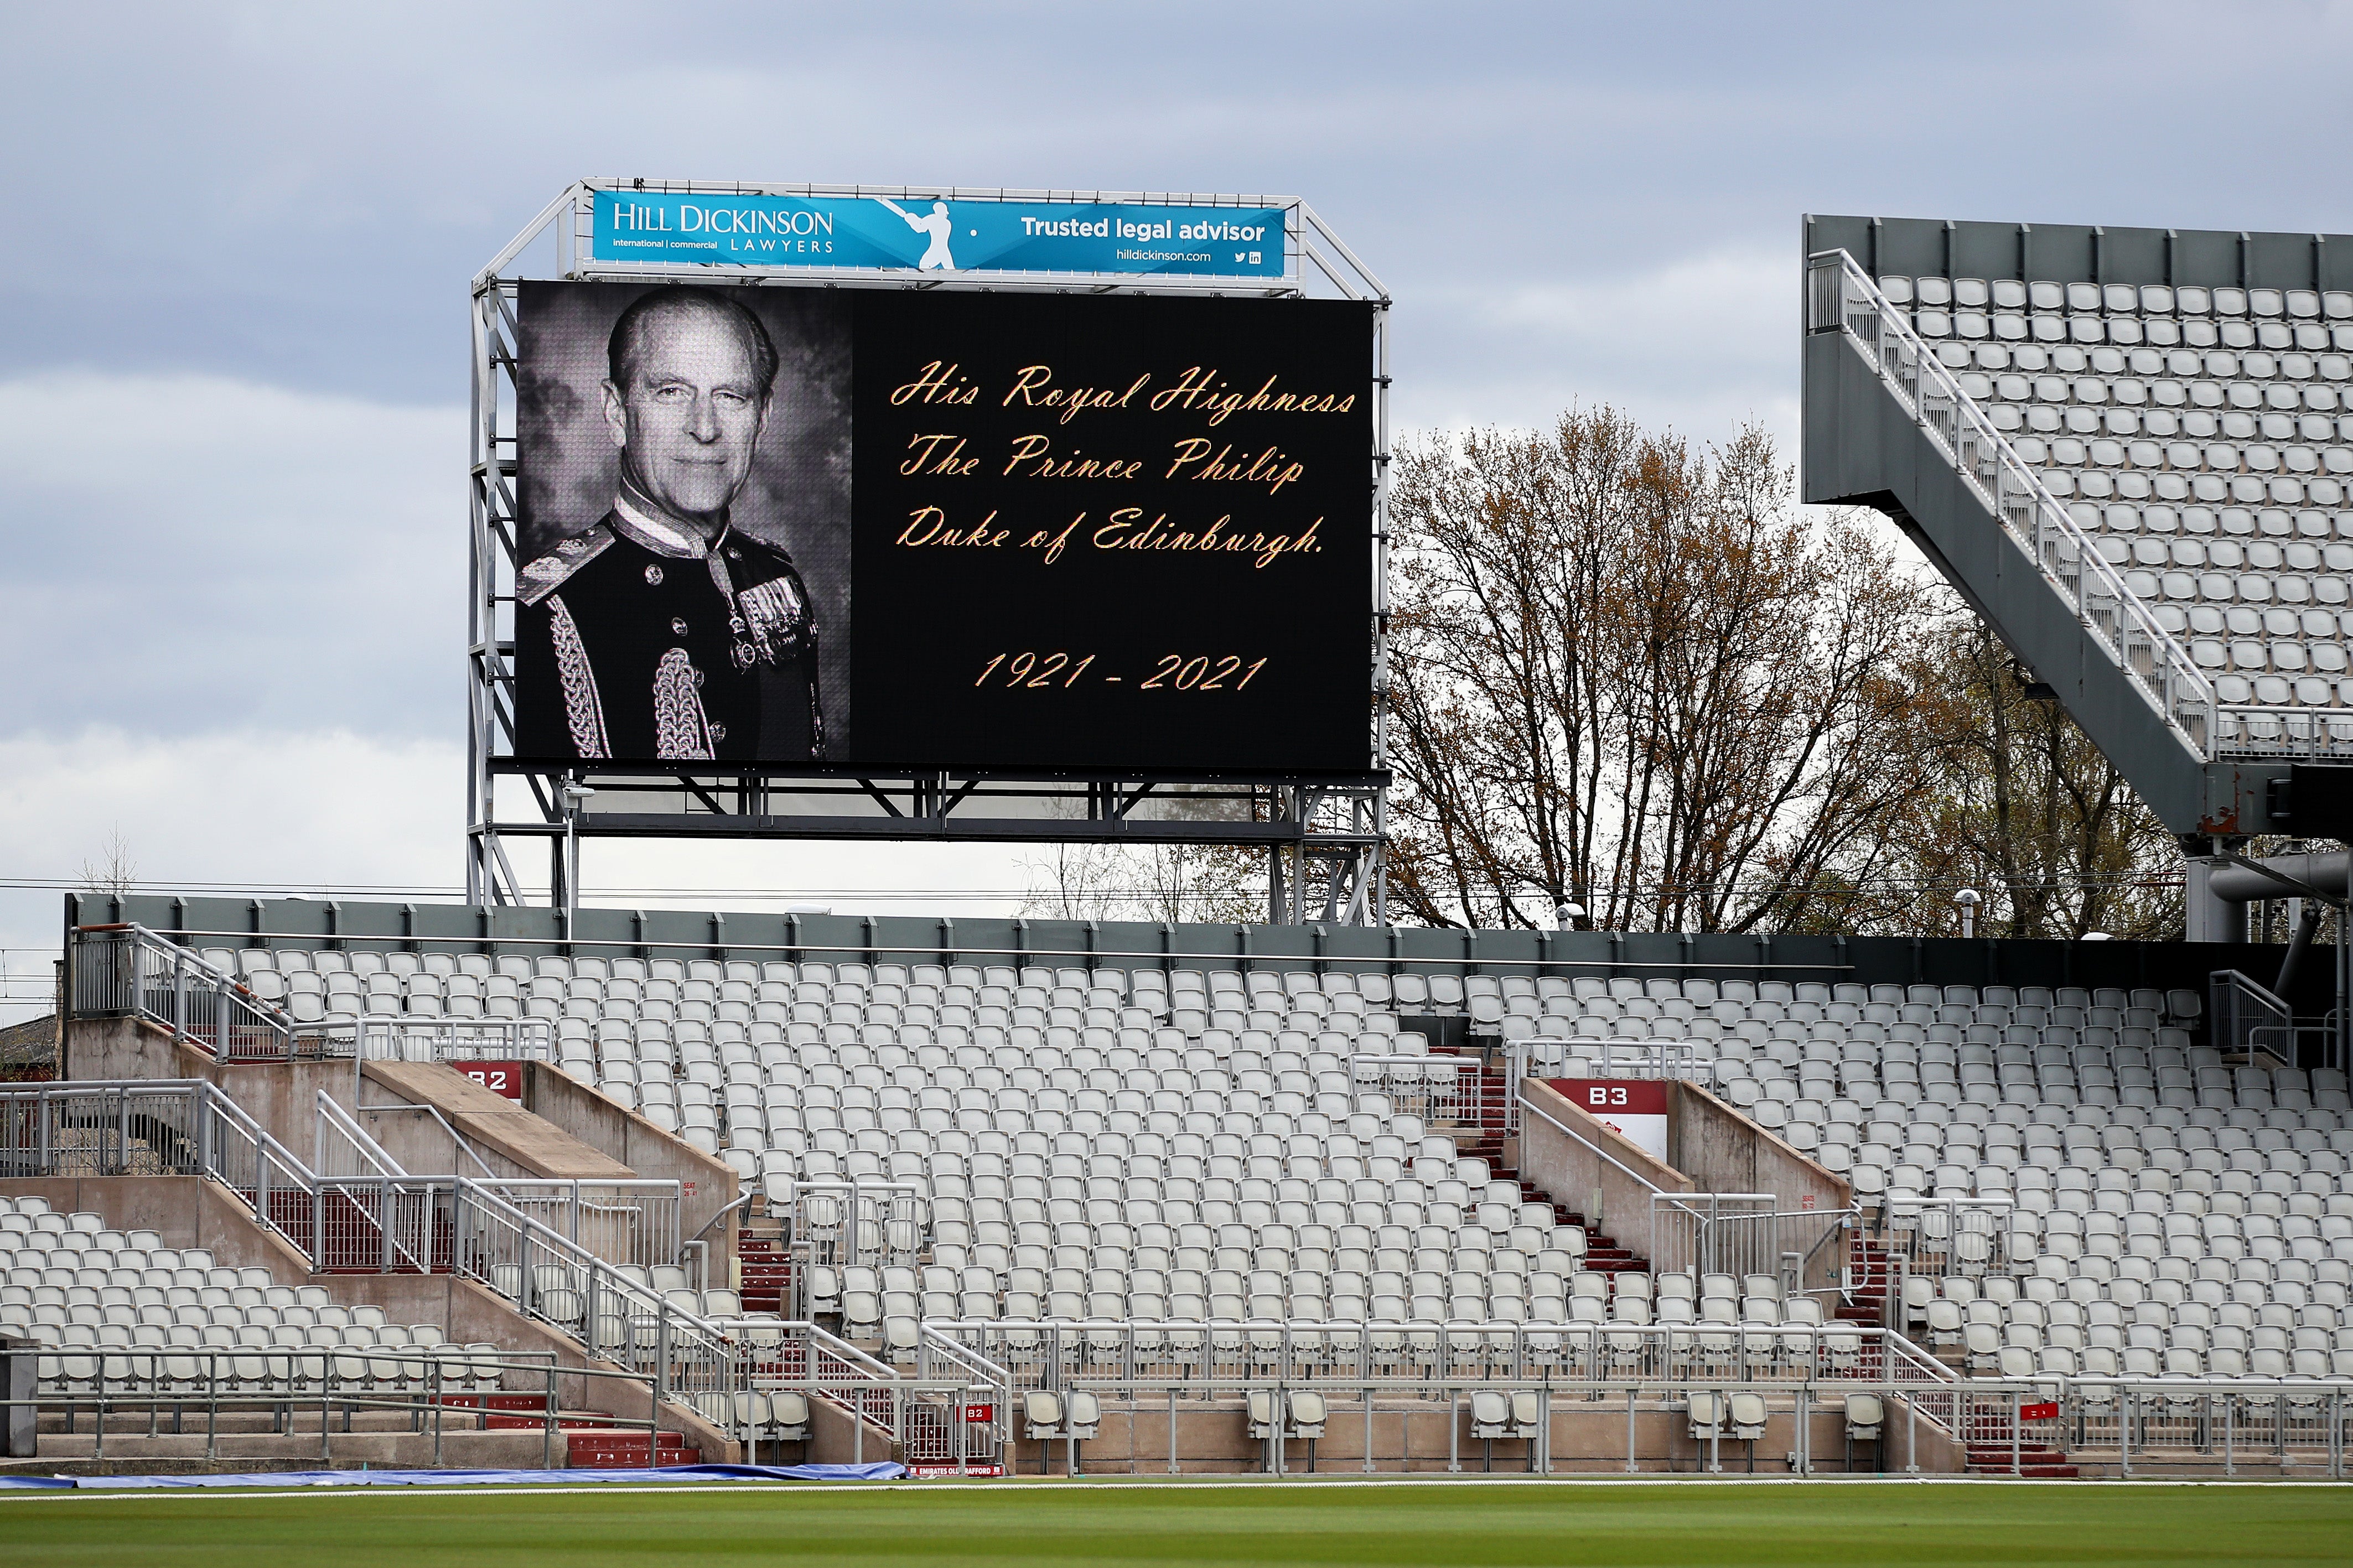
x,y
2028,812
114,875
1169,882
1629,674
1154,881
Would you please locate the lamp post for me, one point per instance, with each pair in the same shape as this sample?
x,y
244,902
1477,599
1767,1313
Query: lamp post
x,y
573,794
1968,898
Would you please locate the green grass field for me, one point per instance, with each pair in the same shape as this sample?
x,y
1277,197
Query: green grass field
x,y
1018,1523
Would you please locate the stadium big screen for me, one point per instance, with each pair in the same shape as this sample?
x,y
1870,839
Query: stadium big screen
x,y
892,529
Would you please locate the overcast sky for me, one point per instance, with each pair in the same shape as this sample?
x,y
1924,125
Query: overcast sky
x,y
238,240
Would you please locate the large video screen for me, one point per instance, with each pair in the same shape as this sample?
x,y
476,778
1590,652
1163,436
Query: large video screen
x,y
914,530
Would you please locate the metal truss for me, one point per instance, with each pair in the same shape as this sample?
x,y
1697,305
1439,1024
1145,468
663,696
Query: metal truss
x,y
1322,837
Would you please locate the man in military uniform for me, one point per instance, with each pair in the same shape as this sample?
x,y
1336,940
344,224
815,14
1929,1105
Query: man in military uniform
x,y
668,634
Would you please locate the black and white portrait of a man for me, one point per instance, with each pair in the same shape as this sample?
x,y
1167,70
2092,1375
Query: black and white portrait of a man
x,y
685,471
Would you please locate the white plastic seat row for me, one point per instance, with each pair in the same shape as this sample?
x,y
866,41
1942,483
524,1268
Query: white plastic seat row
x,y
2117,299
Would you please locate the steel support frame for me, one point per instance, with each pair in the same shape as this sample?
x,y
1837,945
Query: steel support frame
x,y
1323,838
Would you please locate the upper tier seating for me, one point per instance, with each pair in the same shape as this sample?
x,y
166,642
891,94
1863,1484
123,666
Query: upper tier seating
x,y
2203,437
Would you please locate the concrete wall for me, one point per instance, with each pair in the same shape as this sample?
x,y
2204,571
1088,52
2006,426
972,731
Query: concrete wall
x,y
100,1048
612,1142
284,1096
1616,1199
1725,1152
492,1123
185,1211
709,1183
423,1142
838,1438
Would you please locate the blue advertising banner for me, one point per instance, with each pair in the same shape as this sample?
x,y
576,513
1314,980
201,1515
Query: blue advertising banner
x,y
723,230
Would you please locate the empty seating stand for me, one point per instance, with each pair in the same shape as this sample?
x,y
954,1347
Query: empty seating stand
x,y
1090,1143
1143,1145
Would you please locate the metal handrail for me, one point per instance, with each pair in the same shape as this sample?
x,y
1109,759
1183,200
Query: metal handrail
x,y
2244,1011
224,1007
2182,697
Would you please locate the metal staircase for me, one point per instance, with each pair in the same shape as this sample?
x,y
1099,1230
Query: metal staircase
x,y
1888,426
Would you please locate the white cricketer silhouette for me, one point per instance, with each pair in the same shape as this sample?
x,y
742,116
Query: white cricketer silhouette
x,y
939,225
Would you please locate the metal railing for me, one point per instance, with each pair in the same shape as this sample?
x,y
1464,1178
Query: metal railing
x,y
2245,730
141,1128
987,1386
447,1388
920,1408
856,1223
1742,1235
374,1037
1842,296
2248,1020
128,971
1437,1088
1520,1104
627,1223
1201,1354
1948,1237
1662,1059
2279,1423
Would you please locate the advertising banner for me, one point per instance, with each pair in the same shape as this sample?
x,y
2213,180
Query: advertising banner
x,y
936,236
892,529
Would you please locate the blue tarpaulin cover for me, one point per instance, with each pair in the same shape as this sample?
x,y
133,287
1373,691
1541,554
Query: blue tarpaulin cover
x,y
881,1471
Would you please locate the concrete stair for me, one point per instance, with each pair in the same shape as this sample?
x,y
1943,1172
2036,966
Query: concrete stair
x,y
2035,1461
764,1270
1871,1280
1490,1099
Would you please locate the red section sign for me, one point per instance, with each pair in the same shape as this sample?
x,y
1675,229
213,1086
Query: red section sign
x,y
1615,1095
978,1415
499,1078
2046,1411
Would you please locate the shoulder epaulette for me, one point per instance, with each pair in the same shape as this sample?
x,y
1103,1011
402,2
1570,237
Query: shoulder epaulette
x,y
544,576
